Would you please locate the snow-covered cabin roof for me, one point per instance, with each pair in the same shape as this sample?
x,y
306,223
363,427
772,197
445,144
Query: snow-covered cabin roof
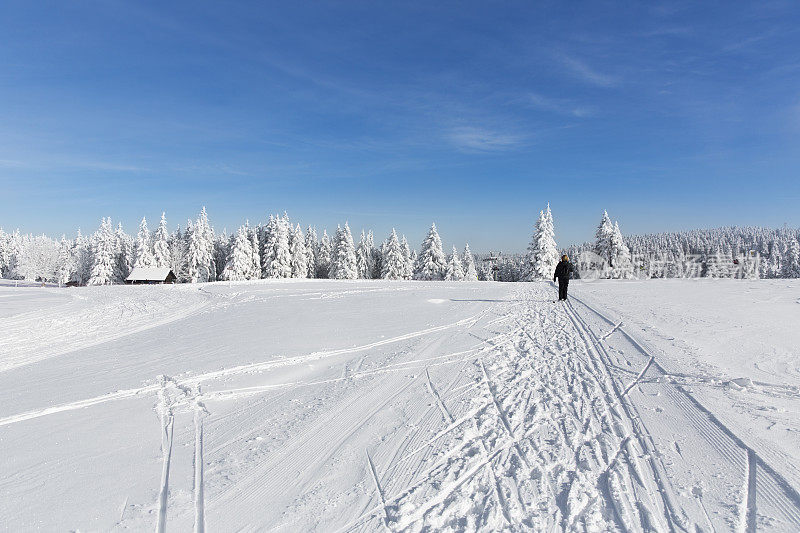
x,y
149,274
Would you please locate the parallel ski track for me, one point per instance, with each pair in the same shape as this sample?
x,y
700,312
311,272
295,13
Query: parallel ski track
x,y
554,450
760,479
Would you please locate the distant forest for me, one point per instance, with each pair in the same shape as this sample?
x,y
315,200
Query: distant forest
x,y
279,248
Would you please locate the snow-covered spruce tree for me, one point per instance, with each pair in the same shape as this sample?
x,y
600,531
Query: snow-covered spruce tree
x,y
66,265
18,261
408,261
470,273
299,254
178,255
792,260
324,255
281,262
605,231
4,253
82,258
776,261
394,262
14,254
103,245
343,263
239,264
161,244
376,256
363,257
255,252
311,252
222,246
208,239
455,270
714,264
431,263
268,245
123,255
620,255
200,259
142,250
196,269
542,256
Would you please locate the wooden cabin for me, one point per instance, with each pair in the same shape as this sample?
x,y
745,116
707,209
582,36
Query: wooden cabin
x,y
150,275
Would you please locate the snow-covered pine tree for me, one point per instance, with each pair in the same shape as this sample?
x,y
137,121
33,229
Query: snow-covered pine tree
x,y
200,261
178,255
408,262
311,252
239,264
550,254
376,256
255,252
431,264
123,255
393,262
196,269
82,257
470,273
268,244
161,244
324,255
142,250
343,263
603,236
281,263
620,255
714,264
455,270
774,268
104,242
363,257
208,240
299,254
66,265
5,255
222,246
542,256
792,259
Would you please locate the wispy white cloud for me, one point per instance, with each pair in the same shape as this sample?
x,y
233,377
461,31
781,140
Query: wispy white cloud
x,y
48,162
560,106
584,72
475,139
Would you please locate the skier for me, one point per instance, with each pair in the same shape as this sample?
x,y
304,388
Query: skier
x,y
563,271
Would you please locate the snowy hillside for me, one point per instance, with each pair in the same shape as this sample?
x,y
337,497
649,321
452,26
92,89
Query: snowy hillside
x,y
361,405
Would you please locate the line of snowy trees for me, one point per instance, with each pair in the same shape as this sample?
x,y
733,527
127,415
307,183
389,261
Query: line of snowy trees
x,y
729,252
277,249
280,249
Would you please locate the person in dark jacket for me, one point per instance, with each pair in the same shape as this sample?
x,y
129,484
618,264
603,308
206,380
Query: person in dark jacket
x,y
563,271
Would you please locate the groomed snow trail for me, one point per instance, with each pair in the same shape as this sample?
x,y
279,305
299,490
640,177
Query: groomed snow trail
x,y
491,409
564,432
543,443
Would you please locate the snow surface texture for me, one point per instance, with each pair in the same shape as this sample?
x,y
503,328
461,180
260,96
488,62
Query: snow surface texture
x,y
378,405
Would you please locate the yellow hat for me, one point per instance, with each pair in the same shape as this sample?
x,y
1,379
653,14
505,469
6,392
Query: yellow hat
x,y
564,257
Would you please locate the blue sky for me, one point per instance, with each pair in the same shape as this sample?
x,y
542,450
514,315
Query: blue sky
x,y
671,116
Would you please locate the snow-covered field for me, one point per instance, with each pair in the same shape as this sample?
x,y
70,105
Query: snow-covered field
x,y
369,405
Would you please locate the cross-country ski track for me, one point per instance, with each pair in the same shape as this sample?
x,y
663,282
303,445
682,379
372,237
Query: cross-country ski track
x,y
442,407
